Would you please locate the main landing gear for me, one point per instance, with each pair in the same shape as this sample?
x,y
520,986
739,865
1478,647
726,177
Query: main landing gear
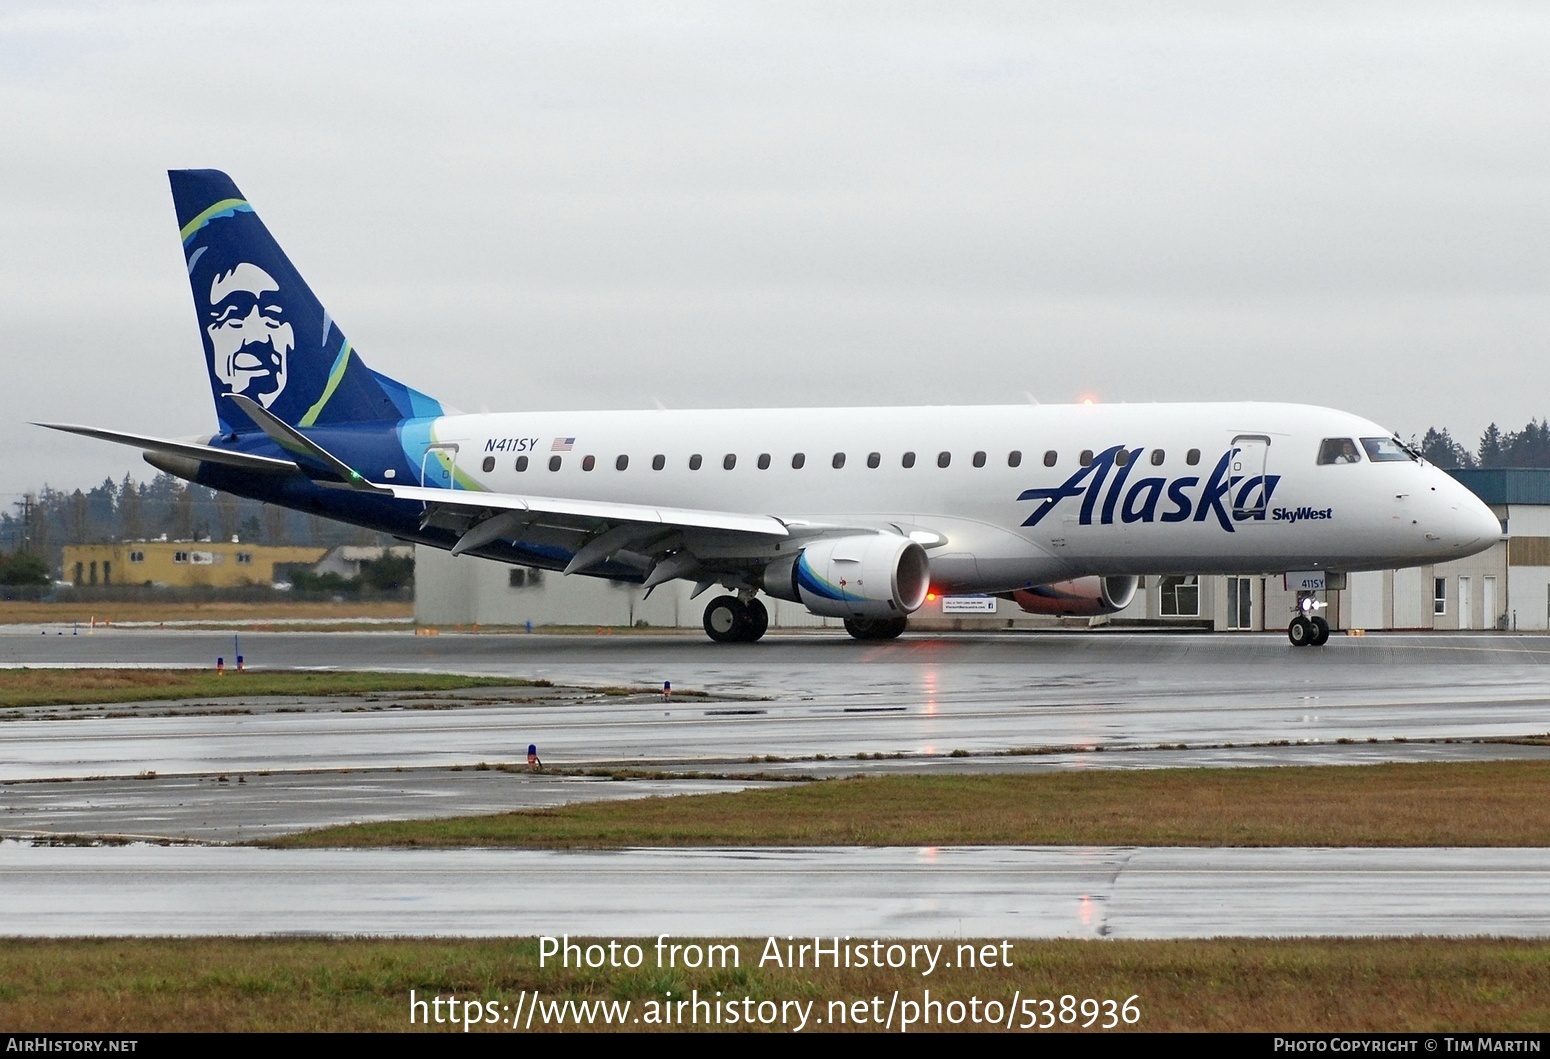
x,y
876,628
730,620
1308,632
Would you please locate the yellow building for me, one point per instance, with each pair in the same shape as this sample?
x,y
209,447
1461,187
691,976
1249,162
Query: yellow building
x,y
182,563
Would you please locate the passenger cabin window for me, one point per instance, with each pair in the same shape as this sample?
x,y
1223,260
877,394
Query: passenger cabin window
x,y
728,461
1050,458
1086,459
658,462
909,460
839,460
1157,457
943,459
1386,450
488,464
1014,459
554,463
979,459
695,461
1339,450
797,460
621,463
588,462
873,459
1122,457
764,461
1192,457
521,463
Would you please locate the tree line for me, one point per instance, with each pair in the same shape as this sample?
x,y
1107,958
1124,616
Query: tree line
x,y
44,521
1529,447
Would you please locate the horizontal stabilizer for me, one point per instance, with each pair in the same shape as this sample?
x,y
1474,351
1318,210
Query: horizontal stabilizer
x,y
193,450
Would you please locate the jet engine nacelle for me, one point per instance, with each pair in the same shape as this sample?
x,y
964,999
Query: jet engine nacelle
x,y
874,575
1081,597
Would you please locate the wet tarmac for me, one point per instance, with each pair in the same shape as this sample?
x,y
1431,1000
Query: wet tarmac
x,y
874,893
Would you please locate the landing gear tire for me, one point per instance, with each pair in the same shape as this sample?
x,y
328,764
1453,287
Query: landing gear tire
x,y
1320,632
1301,632
876,628
726,618
755,621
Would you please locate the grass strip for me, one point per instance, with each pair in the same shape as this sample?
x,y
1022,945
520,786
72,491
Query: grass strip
x,y
74,687
280,984
1495,803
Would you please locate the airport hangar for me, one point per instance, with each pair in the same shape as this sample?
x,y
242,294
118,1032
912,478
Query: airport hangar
x,y
1504,588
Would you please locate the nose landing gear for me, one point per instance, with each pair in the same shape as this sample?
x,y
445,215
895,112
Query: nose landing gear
x,y
1308,629
1308,632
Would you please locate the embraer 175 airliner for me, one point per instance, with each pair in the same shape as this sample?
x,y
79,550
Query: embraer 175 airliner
x,y
854,513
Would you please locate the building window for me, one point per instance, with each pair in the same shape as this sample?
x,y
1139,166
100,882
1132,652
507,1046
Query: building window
x,y
524,577
588,462
909,460
521,463
1240,603
488,464
1439,595
764,461
1014,459
177,557
838,461
622,463
1192,457
244,558
728,462
137,557
797,460
554,463
943,459
695,461
658,462
1050,457
874,460
1179,597
107,571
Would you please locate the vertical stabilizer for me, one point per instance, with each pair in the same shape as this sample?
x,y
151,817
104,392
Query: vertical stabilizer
x,y
265,334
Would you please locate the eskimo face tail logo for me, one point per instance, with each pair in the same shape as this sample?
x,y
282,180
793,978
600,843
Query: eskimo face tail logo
x,y
250,338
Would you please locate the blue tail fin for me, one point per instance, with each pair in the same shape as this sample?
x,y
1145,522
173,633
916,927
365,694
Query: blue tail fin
x,y
266,335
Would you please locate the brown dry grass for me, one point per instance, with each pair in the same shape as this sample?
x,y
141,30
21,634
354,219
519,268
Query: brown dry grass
x,y
72,687
1497,803
26,613
1346,985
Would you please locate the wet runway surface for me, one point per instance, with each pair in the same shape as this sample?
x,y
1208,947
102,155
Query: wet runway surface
x,y
795,706
898,892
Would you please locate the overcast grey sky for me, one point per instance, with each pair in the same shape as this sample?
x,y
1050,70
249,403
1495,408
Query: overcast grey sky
x,y
574,205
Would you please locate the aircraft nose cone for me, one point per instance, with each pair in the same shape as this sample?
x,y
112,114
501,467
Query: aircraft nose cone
x,y
1474,526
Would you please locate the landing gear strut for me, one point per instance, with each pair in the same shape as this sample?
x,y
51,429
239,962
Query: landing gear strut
x,y
730,620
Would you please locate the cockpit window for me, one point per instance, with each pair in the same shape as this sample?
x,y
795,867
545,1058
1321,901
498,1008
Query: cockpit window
x,y
1339,450
1386,450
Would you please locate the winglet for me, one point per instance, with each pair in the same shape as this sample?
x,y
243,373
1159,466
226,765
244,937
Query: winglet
x,y
315,461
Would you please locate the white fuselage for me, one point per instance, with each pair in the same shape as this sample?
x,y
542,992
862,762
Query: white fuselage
x,y
1255,499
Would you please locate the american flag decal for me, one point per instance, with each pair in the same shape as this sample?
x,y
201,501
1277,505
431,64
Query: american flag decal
x,y
562,444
